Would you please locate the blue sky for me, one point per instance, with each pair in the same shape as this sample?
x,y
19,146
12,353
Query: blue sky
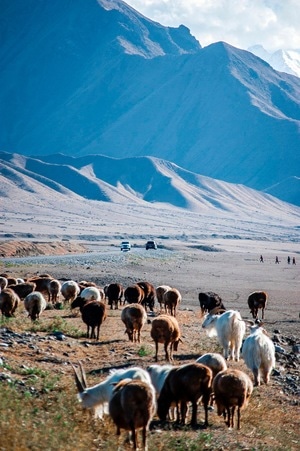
x,y
242,23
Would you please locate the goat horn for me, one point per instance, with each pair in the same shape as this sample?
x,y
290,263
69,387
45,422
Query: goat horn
x,y
249,321
83,376
79,384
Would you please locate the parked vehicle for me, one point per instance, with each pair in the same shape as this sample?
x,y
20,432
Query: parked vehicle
x,y
151,245
125,246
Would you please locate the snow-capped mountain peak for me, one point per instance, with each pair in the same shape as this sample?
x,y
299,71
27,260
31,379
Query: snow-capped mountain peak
x,y
282,60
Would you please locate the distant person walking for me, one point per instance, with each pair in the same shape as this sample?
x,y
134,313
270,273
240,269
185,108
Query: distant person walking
x,y
276,259
289,260
261,259
294,260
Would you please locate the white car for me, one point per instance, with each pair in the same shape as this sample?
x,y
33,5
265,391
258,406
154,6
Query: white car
x,y
125,246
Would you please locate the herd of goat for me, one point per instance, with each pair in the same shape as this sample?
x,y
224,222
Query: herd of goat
x,y
133,396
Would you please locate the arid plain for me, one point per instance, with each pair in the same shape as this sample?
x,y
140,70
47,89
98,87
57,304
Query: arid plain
x,y
214,254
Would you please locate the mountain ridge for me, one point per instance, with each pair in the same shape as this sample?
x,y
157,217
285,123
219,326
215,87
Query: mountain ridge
x,y
141,180
70,85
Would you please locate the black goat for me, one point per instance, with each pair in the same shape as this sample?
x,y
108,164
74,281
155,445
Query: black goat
x,y
209,301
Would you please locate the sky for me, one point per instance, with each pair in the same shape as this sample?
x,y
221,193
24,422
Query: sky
x,y
274,24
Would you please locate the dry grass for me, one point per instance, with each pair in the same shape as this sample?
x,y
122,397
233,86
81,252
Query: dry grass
x,y
39,410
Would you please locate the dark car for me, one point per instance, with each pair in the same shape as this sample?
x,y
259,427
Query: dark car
x,y
151,245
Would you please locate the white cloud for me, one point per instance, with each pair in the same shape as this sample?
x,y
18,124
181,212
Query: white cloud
x,y
242,23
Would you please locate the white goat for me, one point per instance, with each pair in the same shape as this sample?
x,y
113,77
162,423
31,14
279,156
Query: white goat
x,y
258,353
229,328
98,396
158,374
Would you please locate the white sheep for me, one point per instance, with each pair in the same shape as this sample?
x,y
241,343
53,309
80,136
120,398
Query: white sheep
x,y
214,361
165,329
92,294
132,406
134,317
35,304
229,328
70,290
258,353
98,396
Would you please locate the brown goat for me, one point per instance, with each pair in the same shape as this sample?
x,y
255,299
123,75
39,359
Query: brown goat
x,y
165,329
23,289
134,294
54,289
160,291
257,300
187,383
9,301
172,299
134,317
149,295
42,285
232,388
132,407
114,293
93,313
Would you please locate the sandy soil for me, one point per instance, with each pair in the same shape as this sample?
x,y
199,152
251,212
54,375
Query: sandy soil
x,y
229,267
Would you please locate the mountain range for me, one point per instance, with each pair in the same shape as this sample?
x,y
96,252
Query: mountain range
x,y
283,60
97,78
135,180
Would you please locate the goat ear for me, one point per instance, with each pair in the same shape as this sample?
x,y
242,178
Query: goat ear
x,y
78,381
